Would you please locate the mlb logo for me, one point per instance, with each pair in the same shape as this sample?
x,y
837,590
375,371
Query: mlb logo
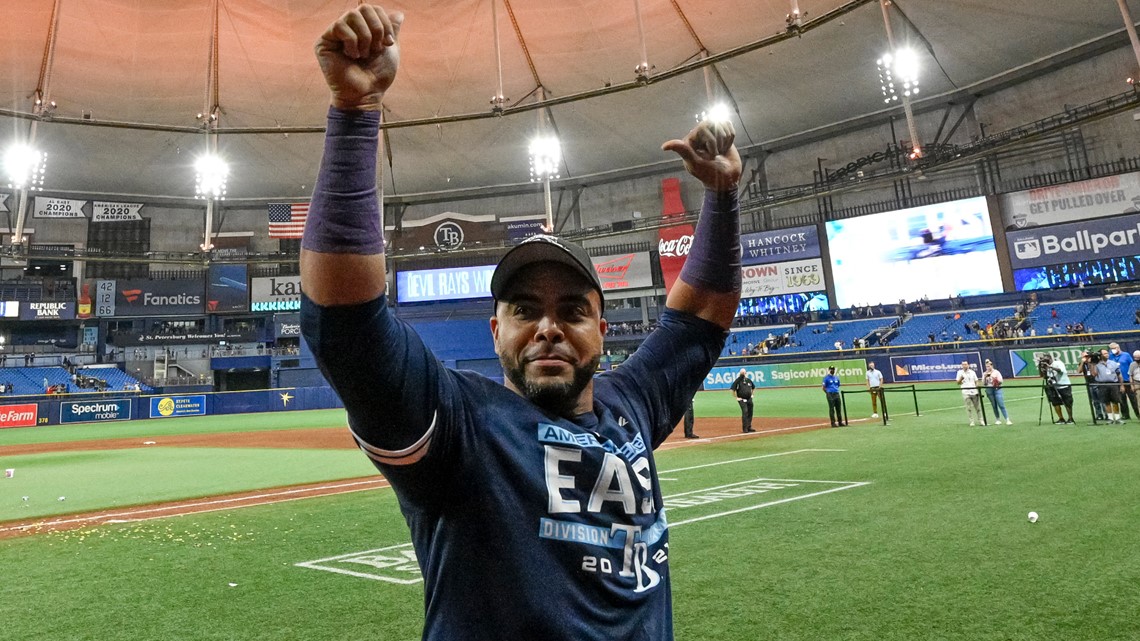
x,y
1027,248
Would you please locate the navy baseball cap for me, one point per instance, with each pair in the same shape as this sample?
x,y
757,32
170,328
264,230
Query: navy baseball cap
x,y
541,248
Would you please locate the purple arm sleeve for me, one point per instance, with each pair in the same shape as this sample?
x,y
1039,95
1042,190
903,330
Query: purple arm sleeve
x,y
344,217
714,258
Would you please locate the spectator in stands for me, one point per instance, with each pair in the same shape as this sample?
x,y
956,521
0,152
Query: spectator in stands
x,y
968,382
992,380
1126,395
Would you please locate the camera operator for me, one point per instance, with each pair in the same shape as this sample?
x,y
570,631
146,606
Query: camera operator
x,y
1088,370
1058,388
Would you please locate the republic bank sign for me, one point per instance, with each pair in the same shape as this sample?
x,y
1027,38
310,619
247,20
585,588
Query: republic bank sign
x,y
275,294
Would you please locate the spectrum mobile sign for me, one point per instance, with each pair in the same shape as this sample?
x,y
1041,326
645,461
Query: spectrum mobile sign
x,y
25,415
852,371
118,409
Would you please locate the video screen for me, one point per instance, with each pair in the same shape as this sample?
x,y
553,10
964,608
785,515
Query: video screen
x,y
784,304
1087,272
938,251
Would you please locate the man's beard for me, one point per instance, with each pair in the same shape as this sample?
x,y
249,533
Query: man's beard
x,y
559,398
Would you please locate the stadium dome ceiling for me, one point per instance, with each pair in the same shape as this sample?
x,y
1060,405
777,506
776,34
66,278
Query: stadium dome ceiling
x,y
129,77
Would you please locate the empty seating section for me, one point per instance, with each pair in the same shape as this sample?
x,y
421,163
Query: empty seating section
x,y
1067,314
31,380
1114,314
814,337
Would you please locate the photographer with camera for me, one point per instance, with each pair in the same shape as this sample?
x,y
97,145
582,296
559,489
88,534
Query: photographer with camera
x,y
1058,388
1088,370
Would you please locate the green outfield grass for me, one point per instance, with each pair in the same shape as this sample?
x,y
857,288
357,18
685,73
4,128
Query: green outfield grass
x,y
922,534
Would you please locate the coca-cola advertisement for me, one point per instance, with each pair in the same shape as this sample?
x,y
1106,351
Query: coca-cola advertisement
x,y
673,243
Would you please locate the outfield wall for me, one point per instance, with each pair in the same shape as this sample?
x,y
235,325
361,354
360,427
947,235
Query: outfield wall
x,y
118,407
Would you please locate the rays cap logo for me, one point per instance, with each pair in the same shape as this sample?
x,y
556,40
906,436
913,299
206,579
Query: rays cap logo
x,y
541,248
448,236
1027,248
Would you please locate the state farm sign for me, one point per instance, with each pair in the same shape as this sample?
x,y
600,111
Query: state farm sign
x,y
19,415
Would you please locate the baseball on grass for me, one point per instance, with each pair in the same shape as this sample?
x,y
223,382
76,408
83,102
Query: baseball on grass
x,y
1032,517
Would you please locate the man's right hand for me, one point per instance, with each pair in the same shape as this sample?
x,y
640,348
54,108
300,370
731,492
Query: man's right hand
x,y
359,56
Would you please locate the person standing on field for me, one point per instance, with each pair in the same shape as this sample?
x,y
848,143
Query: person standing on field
x,y
968,382
875,387
742,388
834,401
992,380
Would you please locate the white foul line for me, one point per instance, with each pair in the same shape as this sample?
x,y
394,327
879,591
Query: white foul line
x,y
742,460
315,565
768,504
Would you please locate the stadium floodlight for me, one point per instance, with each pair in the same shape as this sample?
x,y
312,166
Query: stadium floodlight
x,y
24,167
211,175
716,113
545,157
898,74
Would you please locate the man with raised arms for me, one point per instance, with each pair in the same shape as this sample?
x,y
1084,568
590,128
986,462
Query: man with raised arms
x,y
534,506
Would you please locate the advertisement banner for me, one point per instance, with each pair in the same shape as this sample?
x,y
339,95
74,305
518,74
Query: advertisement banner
x,y
25,415
624,271
127,339
10,309
447,231
287,326
47,311
102,212
116,409
781,278
275,294
168,406
1113,237
159,297
1024,361
227,289
452,283
851,371
521,227
779,245
933,367
58,208
672,242
1066,203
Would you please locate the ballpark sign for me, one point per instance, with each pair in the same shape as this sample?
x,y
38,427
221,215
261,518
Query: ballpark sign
x,y
1065,203
168,406
1024,361
25,415
781,278
118,409
851,371
933,367
1091,239
780,245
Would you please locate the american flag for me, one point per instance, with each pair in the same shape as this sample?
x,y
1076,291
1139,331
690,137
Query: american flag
x,y
287,220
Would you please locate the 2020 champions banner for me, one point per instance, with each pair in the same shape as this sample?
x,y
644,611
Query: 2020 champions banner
x,y
851,371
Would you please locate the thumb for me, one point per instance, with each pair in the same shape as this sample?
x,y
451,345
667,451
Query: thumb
x,y
397,18
682,148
